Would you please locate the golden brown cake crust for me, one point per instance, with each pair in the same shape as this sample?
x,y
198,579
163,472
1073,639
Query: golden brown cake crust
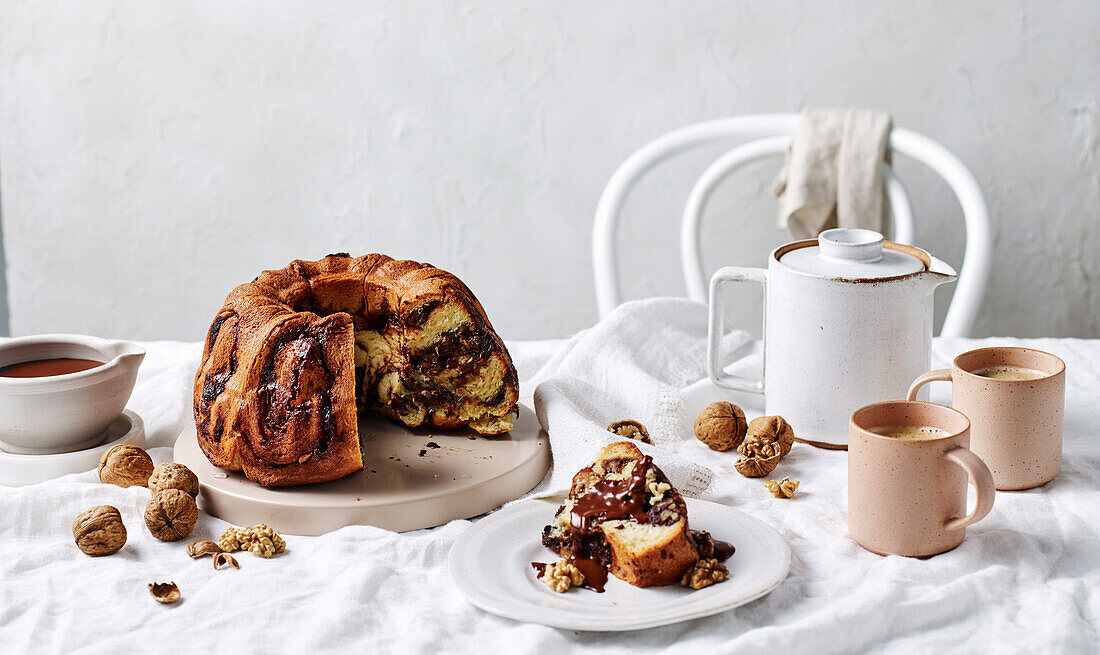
x,y
275,394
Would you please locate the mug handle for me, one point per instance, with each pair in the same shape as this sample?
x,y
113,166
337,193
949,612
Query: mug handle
x,y
938,375
714,336
982,480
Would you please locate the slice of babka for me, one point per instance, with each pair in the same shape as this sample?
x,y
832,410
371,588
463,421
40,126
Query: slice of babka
x,y
622,516
294,354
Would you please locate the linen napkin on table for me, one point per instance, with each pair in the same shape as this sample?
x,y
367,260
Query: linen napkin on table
x,y
632,365
833,173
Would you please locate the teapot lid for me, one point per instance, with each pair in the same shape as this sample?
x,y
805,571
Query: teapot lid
x,y
852,254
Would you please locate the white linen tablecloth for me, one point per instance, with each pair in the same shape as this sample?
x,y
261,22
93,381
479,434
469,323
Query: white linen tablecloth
x,y
1027,578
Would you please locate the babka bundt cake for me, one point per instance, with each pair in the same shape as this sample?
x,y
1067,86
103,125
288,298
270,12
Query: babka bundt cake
x,y
293,355
622,516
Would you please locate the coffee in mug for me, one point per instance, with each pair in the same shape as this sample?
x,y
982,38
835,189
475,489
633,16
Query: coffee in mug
x,y
910,432
1015,399
1009,373
907,493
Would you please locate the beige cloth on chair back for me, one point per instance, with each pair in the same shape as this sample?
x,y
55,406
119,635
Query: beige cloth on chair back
x,y
833,173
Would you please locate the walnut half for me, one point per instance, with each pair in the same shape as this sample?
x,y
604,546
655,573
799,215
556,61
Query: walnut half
x,y
631,430
704,573
561,576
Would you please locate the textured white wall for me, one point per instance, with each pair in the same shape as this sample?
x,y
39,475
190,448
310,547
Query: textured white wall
x,y
153,155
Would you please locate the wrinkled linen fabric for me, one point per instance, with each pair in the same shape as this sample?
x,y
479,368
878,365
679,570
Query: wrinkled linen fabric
x,y
1026,579
632,365
832,176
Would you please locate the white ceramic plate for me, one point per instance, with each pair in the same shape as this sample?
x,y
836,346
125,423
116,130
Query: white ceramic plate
x,y
491,564
17,470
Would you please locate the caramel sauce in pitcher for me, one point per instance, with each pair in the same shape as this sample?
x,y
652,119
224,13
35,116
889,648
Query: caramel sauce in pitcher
x,y
44,368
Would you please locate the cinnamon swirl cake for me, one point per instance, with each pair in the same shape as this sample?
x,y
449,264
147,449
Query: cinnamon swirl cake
x,y
294,354
624,517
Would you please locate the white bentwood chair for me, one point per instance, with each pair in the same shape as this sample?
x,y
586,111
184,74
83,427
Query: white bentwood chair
x,y
764,135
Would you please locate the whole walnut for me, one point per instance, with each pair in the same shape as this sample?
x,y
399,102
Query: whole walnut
x,y
721,426
170,475
171,514
99,531
772,428
126,466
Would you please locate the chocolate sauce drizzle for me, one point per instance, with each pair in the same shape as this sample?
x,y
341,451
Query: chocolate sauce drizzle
x,y
723,550
608,500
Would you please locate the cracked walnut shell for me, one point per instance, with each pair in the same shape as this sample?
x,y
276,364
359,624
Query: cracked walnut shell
x,y
631,430
756,467
99,531
125,465
170,475
171,514
704,573
222,560
164,592
772,428
721,426
757,458
197,549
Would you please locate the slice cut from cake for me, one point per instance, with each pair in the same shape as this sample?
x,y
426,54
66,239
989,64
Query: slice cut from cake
x,y
624,517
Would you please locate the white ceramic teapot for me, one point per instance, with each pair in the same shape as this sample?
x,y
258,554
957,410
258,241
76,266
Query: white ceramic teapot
x,y
847,322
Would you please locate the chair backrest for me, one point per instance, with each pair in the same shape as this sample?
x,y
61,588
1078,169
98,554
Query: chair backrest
x,y
770,134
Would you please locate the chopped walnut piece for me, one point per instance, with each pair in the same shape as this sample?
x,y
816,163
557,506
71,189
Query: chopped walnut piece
x,y
261,540
631,430
704,543
704,573
655,488
784,488
562,575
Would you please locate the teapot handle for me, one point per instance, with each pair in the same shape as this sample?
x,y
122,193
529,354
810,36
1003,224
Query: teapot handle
x,y
714,337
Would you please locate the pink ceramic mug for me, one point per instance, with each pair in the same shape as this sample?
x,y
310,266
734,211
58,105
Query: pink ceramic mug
x,y
1016,425
908,497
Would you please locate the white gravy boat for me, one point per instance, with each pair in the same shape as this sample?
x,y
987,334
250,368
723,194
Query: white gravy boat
x,y
64,413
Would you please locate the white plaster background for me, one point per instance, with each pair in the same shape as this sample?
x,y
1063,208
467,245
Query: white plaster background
x,y
155,154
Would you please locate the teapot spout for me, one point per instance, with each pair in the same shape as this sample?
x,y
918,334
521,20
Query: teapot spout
x,y
938,272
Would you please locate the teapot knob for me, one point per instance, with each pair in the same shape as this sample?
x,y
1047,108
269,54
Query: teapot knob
x,y
851,244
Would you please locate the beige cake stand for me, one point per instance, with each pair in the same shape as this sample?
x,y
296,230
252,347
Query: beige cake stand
x,y
407,484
